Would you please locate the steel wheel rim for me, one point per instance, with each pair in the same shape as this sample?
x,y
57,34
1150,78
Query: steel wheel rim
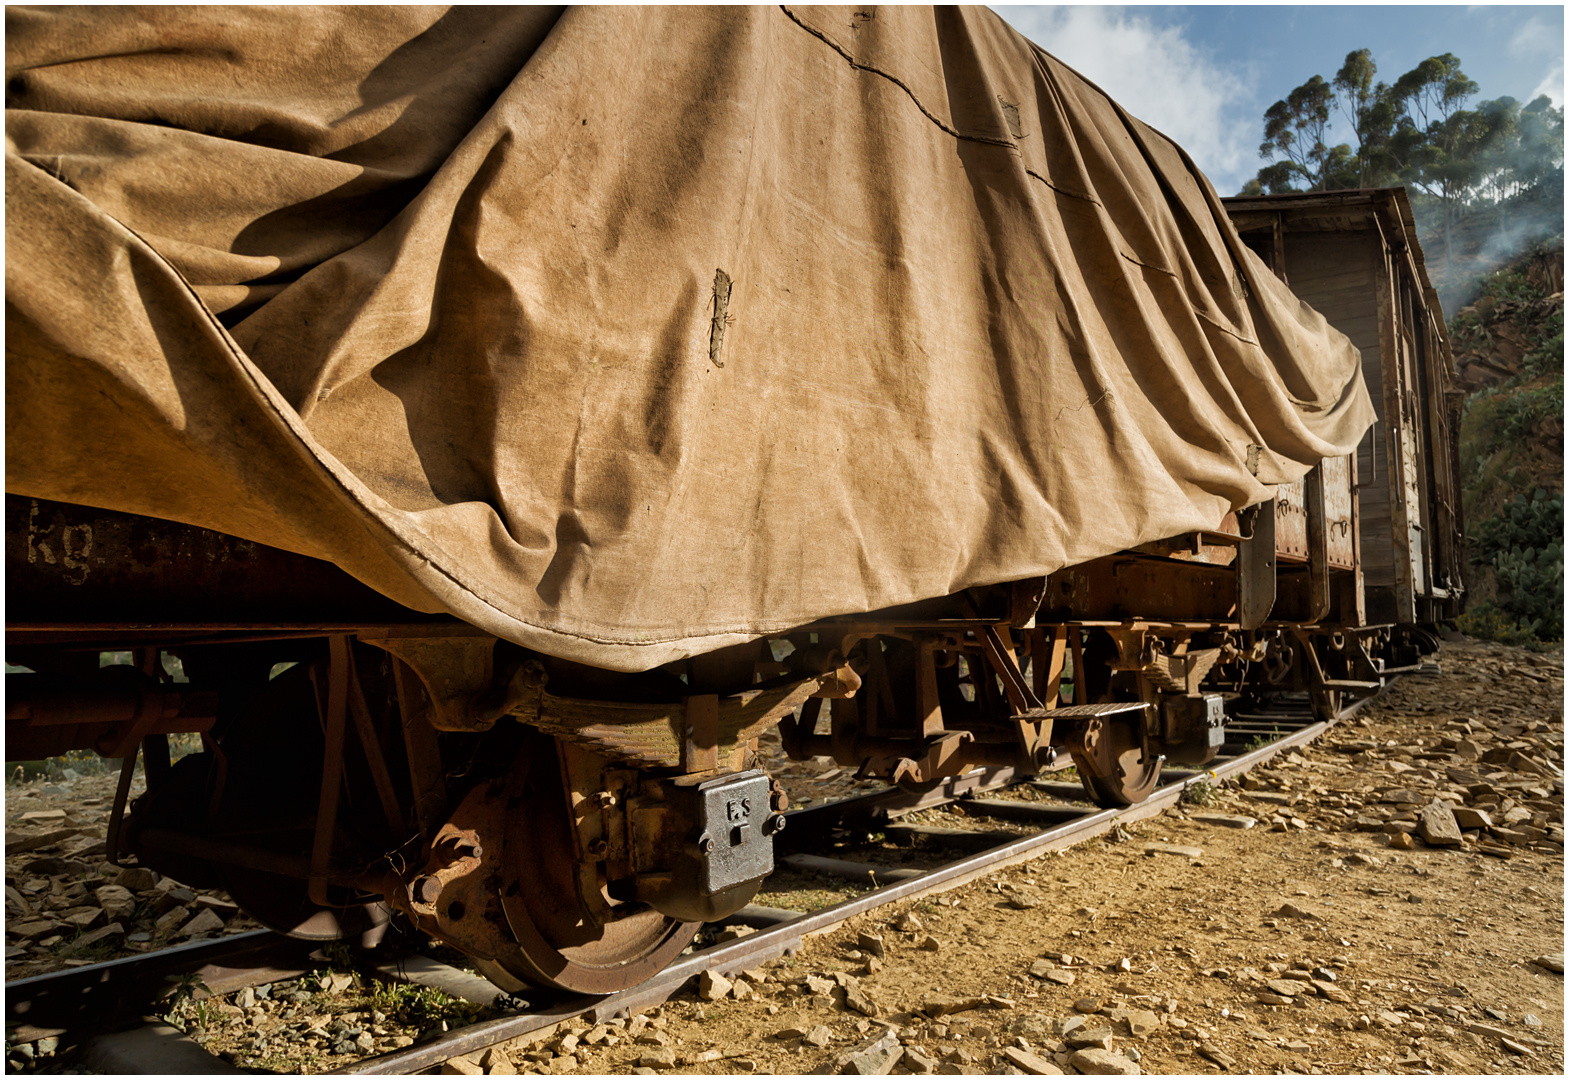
x,y
539,897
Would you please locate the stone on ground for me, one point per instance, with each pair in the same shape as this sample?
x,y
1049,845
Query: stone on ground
x,y
1032,1064
712,986
88,940
873,1056
1437,825
1103,1063
1226,821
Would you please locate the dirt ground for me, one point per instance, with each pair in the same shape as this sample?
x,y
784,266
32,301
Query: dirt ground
x,y
1328,938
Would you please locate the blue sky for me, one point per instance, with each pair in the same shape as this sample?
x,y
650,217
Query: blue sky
x,y
1205,74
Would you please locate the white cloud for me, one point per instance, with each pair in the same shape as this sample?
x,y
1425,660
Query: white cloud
x,y
1552,86
1158,75
1532,38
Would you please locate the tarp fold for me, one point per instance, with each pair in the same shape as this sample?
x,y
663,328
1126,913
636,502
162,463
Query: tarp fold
x,y
629,333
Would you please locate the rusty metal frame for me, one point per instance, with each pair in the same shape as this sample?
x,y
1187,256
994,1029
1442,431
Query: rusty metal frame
x,y
422,749
1256,570
1319,599
700,735
334,716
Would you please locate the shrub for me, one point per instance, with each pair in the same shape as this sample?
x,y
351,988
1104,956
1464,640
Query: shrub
x,y
1524,545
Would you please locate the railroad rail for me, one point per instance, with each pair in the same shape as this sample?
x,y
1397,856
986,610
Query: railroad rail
x,y
55,1003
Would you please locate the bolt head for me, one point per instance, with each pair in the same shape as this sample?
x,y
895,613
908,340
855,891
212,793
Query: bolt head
x,y
427,889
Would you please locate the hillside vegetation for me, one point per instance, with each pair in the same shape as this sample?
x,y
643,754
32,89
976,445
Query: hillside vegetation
x,y
1509,356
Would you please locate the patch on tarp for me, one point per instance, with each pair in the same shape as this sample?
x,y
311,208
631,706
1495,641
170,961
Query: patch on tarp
x,y
716,330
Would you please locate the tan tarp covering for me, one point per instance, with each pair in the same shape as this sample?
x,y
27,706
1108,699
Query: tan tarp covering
x,y
441,296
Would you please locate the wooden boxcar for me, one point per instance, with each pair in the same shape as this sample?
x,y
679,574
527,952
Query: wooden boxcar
x,y
1354,257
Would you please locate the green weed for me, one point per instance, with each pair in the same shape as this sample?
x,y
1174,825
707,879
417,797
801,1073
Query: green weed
x,y
421,1006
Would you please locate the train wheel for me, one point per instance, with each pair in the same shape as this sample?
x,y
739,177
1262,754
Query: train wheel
x,y
588,946
1120,774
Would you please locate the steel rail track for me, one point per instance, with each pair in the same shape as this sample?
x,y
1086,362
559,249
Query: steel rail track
x,y
47,1004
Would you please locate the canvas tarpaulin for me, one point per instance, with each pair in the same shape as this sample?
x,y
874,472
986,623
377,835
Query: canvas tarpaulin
x,y
629,333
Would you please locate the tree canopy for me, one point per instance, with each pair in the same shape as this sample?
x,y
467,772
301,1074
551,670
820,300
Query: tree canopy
x,y
1418,132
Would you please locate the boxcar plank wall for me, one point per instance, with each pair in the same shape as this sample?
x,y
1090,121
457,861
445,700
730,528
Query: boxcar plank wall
x,y
1339,274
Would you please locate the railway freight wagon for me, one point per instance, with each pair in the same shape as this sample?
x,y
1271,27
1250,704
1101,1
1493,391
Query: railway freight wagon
x,y
506,416
1354,256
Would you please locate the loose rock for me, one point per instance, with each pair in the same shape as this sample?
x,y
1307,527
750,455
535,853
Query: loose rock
x,y
875,1056
117,901
1141,1022
712,986
1103,1063
1289,988
855,999
204,922
1099,1038
1468,818
1437,825
1226,821
1215,1054
171,919
93,937
1031,1064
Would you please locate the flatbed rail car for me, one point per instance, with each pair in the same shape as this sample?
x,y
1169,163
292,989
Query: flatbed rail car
x,y
567,799
1116,666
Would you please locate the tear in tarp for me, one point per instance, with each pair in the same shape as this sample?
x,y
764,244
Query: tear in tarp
x,y
435,295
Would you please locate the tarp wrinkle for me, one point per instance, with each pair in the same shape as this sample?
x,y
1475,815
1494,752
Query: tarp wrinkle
x,y
630,333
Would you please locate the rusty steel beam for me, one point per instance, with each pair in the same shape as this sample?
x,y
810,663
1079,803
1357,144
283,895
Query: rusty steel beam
x,y
48,715
1118,588
68,565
